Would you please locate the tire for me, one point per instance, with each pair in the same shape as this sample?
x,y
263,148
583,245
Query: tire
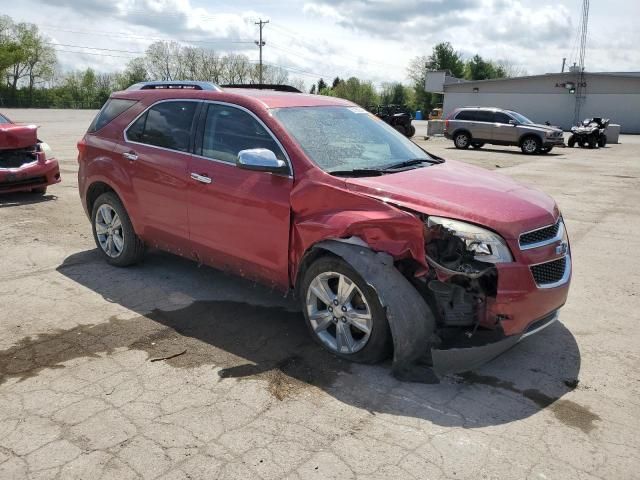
x,y
129,249
545,149
602,141
530,145
593,142
324,276
571,142
400,129
412,131
582,144
39,191
477,145
462,140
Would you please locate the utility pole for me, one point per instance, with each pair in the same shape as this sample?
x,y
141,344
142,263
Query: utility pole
x,y
580,78
564,61
260,44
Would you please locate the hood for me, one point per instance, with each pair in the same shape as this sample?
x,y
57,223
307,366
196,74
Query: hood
x,y
542,128
464,192
14,136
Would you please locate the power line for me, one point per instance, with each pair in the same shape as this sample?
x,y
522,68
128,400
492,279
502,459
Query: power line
x,y
143,37
94,48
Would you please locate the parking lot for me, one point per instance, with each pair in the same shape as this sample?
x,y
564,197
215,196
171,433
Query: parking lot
x,y
174,370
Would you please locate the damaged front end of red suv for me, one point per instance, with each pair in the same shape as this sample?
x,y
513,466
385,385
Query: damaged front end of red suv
x,y
26,163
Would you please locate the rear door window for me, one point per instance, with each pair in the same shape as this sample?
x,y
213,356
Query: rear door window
x,y
166,125
112,109
228,130
484,116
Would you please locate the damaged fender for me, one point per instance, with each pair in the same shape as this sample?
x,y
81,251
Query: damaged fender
x,y
411,321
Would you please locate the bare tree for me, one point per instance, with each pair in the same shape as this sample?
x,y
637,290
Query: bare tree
x,y
163,60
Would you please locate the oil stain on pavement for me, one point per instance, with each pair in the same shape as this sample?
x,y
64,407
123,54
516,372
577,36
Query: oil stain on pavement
x,y
568,412
268,343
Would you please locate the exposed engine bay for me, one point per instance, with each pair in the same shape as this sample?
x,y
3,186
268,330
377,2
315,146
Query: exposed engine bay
x,y
16,158
457,288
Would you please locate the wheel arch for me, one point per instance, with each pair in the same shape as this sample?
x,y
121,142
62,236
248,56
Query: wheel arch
x,y
411,321
461,130
99,185
526,135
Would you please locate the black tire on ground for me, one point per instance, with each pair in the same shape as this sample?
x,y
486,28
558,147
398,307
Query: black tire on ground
x,y
39,190
412,131
593,142
401,129
545,149
571,142
602,141
379,344
582,144
530,145
133,249
477,145
462,140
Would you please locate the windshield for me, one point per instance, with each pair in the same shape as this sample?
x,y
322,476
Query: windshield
x,y
347,138
520,118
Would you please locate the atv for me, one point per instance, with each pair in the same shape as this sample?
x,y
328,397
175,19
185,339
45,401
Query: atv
x,y
396,116
591,133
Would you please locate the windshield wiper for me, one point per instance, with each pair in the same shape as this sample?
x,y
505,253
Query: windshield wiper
x,y
358,172
409,163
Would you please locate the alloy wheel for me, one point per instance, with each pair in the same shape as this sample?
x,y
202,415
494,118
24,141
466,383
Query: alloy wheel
x,y
109,231
339,313
530,145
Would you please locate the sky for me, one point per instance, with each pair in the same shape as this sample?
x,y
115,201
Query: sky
x,y
371,39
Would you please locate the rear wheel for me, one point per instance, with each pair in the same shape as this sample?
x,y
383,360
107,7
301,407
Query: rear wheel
x,y
462,140
113,232
401,129
530,145
412,131
344,313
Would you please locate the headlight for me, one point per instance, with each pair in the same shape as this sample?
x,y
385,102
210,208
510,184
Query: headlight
x,y
487,246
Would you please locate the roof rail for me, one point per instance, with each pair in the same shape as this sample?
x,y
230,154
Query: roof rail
x,y
178,85
263,86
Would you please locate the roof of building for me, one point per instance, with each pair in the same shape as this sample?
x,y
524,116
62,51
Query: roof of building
x,y
544,75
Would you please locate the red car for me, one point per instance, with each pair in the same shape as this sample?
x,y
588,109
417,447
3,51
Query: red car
x,y
26,163
388,248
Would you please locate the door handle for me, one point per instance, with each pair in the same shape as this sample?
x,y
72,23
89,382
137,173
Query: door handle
x,y
131,156
201,178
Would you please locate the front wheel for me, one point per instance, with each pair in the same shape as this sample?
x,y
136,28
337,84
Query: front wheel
x,y
572,141
545,149
530,145
39,190
400,129
343,312
412,131
477,145
462,140
602,141
113,232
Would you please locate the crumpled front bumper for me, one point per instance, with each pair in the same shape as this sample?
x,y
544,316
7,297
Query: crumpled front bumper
x,y
457,360
37,174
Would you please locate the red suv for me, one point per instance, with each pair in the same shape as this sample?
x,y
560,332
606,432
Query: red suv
x,y
388,248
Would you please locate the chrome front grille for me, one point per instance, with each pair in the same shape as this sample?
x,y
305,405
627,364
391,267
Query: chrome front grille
x,y
542,236
553,273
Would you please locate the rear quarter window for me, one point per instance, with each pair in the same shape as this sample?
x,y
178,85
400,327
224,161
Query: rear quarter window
x,y
112,109
466,115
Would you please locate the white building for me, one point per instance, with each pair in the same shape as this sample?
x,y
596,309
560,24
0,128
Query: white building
x,y
550,97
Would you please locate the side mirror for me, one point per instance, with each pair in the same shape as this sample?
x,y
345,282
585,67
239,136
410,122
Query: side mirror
x,y
513,122
261,160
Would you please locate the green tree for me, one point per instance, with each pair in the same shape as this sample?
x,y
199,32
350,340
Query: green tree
x,y
478,69
361,92
313,89
322,86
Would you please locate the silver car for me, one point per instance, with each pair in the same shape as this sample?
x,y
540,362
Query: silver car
x,y
475,126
